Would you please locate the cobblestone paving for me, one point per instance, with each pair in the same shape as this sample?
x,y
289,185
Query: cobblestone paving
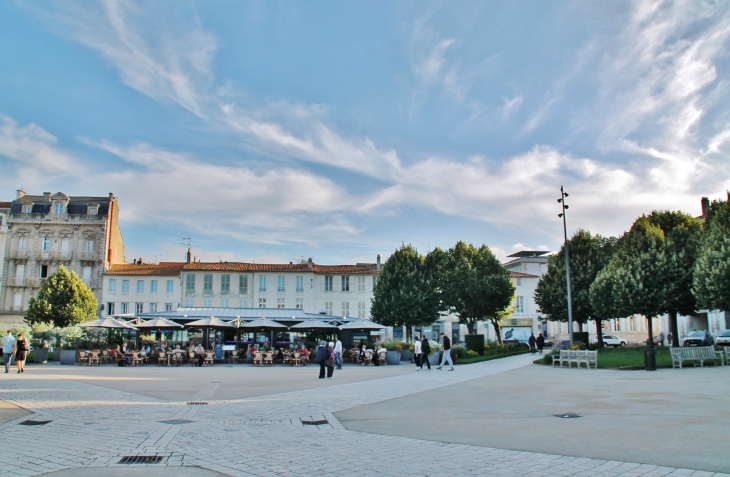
x,y
262,436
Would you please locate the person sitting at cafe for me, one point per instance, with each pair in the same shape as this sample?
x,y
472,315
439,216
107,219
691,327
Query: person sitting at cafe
x,y
200,354
304,355
124,348
120,356
162,348
146,349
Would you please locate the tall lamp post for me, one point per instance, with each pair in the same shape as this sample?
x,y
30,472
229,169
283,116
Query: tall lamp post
x,y
561,201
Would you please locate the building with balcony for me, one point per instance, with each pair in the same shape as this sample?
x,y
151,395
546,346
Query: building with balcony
x,y
137,288
4,214
50,230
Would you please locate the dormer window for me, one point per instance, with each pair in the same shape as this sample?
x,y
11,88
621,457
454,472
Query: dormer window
x,y
58,208
92,210
27,208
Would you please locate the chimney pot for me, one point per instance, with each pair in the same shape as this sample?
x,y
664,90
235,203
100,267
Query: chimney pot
x,y
705,206
20,193
135,262
47,196
139,261
378,265
188,256
310,263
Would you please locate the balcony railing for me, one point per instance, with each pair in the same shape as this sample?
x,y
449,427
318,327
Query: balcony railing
x,y
87,255
19,253
58,218
16,282
62,255
44,255
35,282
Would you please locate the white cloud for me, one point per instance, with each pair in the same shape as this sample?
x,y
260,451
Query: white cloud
x,y
511,106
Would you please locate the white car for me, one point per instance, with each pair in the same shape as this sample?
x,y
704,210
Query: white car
x,y
610,340
723,338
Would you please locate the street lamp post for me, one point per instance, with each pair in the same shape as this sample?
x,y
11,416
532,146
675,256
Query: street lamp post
x,y
561,200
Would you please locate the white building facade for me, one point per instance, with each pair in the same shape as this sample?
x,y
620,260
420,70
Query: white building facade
x,y
138,287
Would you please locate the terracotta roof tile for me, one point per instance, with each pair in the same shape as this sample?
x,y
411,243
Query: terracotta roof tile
x,y
363,269
169,268
6,205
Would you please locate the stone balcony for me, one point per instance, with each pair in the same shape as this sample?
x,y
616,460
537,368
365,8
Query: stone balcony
x,y
80,218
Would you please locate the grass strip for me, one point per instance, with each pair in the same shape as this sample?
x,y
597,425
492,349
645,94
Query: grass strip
x,y
487,357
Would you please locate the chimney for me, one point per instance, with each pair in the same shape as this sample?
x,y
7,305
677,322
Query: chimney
x,y
139,262
310,263
705,206
111,195
47,196
188,256
378,265
135,262
21,193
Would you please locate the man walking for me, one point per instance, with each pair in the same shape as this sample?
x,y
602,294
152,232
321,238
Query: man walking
x,y
425,352
8,345
540,343
417,352
338,354
447,352
320,358
532,342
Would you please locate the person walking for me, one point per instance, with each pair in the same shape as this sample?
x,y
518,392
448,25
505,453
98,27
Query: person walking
x,y
446,343
540,342
532,342
21,351
425,352
330,360
338,354
8,347
417,352
320,358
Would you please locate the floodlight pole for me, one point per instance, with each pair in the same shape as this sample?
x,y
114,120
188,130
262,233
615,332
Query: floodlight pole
x,y
563,195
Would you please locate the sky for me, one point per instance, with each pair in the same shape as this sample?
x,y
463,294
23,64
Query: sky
x,y
269,131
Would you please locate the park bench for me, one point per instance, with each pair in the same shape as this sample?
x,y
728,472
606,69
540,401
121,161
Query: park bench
x,y
695,354
577,356
727,354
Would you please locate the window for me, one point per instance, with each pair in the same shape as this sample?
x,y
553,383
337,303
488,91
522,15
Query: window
x,y
300,284
19,274
299,304
208,283
224,302
88,245
361,309
225,284
65,247
207,302
112,285
153,286
361,284
518,282
125,308
242,285
110,308
262,285
243,302
328,307
17,300
280,303
28,209
280,281
262,302
190,302
560,327
46,244
140,286
43,272
22,243
327,283
138,307
632,324
615,323
153,307
345,308
92,210
345,283
190,283
168,306
520,304
86,275
168,286
58,209
375,282
125,286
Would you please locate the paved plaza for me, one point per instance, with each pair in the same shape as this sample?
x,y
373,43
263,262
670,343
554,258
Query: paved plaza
x,y
483,419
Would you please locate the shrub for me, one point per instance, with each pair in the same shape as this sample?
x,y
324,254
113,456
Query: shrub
x,y
391,345
475,343
580,337
470,353
461,352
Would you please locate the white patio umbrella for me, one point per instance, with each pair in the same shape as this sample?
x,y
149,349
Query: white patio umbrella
x,y
107,322
159,324
211,322
314,324
262,324
362,325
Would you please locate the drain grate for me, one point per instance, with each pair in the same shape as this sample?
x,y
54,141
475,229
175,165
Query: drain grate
x,y
314,423
31,422
569,415
197,403
141,459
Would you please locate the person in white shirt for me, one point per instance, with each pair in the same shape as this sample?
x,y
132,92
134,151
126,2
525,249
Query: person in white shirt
x,y
8,345
338,354
417,352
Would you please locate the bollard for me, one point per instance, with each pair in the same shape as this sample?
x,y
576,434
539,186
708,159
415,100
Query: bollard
x,y
650,359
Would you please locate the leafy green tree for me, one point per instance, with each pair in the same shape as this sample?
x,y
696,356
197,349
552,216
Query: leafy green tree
x,y
589,254
712,268
406,292
64,300
475,285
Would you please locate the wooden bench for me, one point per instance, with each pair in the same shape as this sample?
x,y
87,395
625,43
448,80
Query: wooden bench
x,y
695,354
577,356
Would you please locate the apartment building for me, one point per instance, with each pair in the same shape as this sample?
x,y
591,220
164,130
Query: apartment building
x,y
46,231
138,287
4,215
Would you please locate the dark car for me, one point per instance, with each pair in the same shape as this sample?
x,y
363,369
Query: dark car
x,y
698,338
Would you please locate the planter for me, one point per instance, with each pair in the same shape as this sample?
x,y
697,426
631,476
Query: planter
x,y
405,355
40,355
393,357
433,358
68,356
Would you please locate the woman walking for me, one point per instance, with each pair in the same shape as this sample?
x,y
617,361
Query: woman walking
x,y
330,361
320,358
21,350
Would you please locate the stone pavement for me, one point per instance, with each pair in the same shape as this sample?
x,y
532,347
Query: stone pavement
x,y
93,426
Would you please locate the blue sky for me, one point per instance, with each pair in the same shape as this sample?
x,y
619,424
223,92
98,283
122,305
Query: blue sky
x,y
337,130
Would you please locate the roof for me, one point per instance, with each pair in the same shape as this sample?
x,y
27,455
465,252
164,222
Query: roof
x,y
169,268
228,313
529,253
5,205
521,275
359,269
76,204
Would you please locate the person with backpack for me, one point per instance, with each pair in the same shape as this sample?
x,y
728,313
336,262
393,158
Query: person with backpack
x,y
425,352
21,351
447,352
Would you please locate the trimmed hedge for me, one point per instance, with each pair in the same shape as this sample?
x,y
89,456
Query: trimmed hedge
x,y
475,343
580,336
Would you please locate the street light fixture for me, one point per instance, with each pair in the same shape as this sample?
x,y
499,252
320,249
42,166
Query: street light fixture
x,y
561,200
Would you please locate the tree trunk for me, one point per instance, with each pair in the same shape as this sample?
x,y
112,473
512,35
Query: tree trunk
x,y
599,333
673,328
470,325
495,324
651,332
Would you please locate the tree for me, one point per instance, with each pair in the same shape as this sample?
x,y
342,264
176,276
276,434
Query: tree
x,y
64,300
406,292
475,285
589,254
712,268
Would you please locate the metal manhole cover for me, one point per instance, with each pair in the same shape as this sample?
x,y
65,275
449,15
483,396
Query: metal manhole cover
x,y
314,423
568,415
197,403
31,422
141,459
176,421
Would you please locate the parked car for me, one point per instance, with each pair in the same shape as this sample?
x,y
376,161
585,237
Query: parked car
x,y
658,341
698,338
723,339
610,340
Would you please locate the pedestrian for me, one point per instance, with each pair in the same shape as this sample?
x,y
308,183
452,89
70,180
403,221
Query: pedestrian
x,y
540,342
425,352
330,360
320,358
417,352
446,343
532,341
8,347
338,354
21,350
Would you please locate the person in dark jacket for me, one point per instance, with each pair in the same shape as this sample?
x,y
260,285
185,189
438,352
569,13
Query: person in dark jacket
x,y
447,352
320,358
329,360
425,351
540,341
532,342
